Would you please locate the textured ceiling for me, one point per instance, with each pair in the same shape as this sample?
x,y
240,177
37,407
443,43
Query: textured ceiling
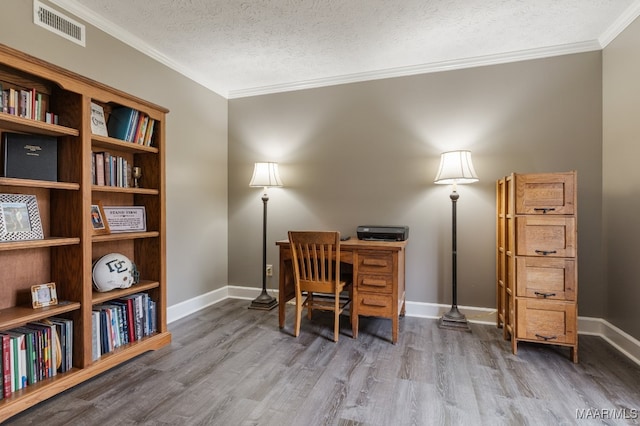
x,y
243,47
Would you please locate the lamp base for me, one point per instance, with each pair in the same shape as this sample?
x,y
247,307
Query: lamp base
x,y
264,302
454,320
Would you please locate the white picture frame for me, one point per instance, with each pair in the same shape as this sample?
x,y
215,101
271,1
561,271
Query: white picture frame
x,y
19,218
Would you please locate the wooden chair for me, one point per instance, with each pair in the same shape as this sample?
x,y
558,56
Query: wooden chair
x,y
316,271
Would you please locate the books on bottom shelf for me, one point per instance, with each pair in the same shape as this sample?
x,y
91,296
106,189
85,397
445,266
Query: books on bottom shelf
x,y
34,352
122,321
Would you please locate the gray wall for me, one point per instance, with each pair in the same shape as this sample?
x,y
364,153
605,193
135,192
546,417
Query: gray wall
x,y
196,141
621,177
367,153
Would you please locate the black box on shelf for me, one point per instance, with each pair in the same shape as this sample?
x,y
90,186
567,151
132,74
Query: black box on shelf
x,y
29,156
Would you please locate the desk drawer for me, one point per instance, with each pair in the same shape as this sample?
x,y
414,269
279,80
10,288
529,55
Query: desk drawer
x,y
371,304
546,321
379,263
375,283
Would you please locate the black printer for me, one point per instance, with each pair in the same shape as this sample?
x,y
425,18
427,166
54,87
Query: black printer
x,y
383,233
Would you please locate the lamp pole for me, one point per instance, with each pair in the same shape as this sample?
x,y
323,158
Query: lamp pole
x,y
455,167
265,175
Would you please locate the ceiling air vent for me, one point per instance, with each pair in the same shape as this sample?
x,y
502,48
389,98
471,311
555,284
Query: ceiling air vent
x,y
58,23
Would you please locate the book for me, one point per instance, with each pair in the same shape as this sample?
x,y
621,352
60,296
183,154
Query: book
x,y
98,121
19,359
149,133
96,350
28,156
65,329
119,123
31,342
100,176
6,364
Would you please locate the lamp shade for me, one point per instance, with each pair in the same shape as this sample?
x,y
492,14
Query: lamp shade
x,y
265,175
456,167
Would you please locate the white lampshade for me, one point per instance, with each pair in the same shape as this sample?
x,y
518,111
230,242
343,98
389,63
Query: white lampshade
x,y
456,167
265,175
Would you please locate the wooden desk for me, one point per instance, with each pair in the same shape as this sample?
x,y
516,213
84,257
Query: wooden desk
x,y
378,279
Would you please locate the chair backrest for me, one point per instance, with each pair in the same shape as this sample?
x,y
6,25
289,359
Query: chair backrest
x,y
316,259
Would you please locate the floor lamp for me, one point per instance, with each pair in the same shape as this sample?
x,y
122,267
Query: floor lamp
x,y
265,175
455,168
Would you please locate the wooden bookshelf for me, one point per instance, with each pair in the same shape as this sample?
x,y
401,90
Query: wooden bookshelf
x,y
66,253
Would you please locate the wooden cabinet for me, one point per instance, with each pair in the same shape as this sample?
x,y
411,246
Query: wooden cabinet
x,y
536,259
66,253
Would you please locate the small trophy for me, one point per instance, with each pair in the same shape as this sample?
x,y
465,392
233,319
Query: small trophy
x,y
137,174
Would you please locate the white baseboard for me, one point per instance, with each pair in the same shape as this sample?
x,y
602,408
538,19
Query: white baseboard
x,y
625,343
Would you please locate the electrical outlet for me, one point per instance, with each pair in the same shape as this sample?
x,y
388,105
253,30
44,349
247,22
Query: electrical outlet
x,y
269,270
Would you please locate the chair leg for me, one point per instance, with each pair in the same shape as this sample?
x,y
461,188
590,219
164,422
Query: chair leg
x,y
336,318
309,304
296,330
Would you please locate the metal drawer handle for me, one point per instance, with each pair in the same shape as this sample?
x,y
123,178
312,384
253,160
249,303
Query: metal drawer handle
x,y
544,210
546,338
545,295
545,252
373,303
374,262
374,283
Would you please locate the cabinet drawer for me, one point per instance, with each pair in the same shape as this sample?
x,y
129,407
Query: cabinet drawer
x,y
548,193
381,263
375,283
546,278
546,321
546,236
374,304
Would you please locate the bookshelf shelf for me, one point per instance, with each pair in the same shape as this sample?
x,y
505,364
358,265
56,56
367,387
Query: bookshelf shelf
x,y
66,255
125,236
30,183
106,142
18,315
33,244
15,123
143,285
104,188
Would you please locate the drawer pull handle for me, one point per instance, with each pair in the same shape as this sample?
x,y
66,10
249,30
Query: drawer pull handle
x,y
374,262
545,295
545,252
374,283
377,303
546,338
544,210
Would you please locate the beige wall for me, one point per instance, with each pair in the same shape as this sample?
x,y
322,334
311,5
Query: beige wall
x,y
621,177
196,142
367,153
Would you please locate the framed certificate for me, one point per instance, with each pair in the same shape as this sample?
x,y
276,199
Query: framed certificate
x,y
126,218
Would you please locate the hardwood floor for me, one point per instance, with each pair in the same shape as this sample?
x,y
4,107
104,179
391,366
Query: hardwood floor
x,y
229,365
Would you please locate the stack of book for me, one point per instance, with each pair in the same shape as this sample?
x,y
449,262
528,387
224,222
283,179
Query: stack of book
x,y
35,352
122,321
131,125
110,170
26,103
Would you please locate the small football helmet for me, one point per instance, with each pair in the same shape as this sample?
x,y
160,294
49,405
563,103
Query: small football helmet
x,y
114,270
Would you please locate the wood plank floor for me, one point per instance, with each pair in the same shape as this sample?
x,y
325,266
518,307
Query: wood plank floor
x,y
228,365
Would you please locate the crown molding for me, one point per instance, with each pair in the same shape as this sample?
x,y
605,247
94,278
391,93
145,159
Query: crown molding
x,y
620,24
478,61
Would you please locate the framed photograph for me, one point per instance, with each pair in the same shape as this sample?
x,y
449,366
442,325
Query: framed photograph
x,y
44,295
98,219
19,218
126,218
